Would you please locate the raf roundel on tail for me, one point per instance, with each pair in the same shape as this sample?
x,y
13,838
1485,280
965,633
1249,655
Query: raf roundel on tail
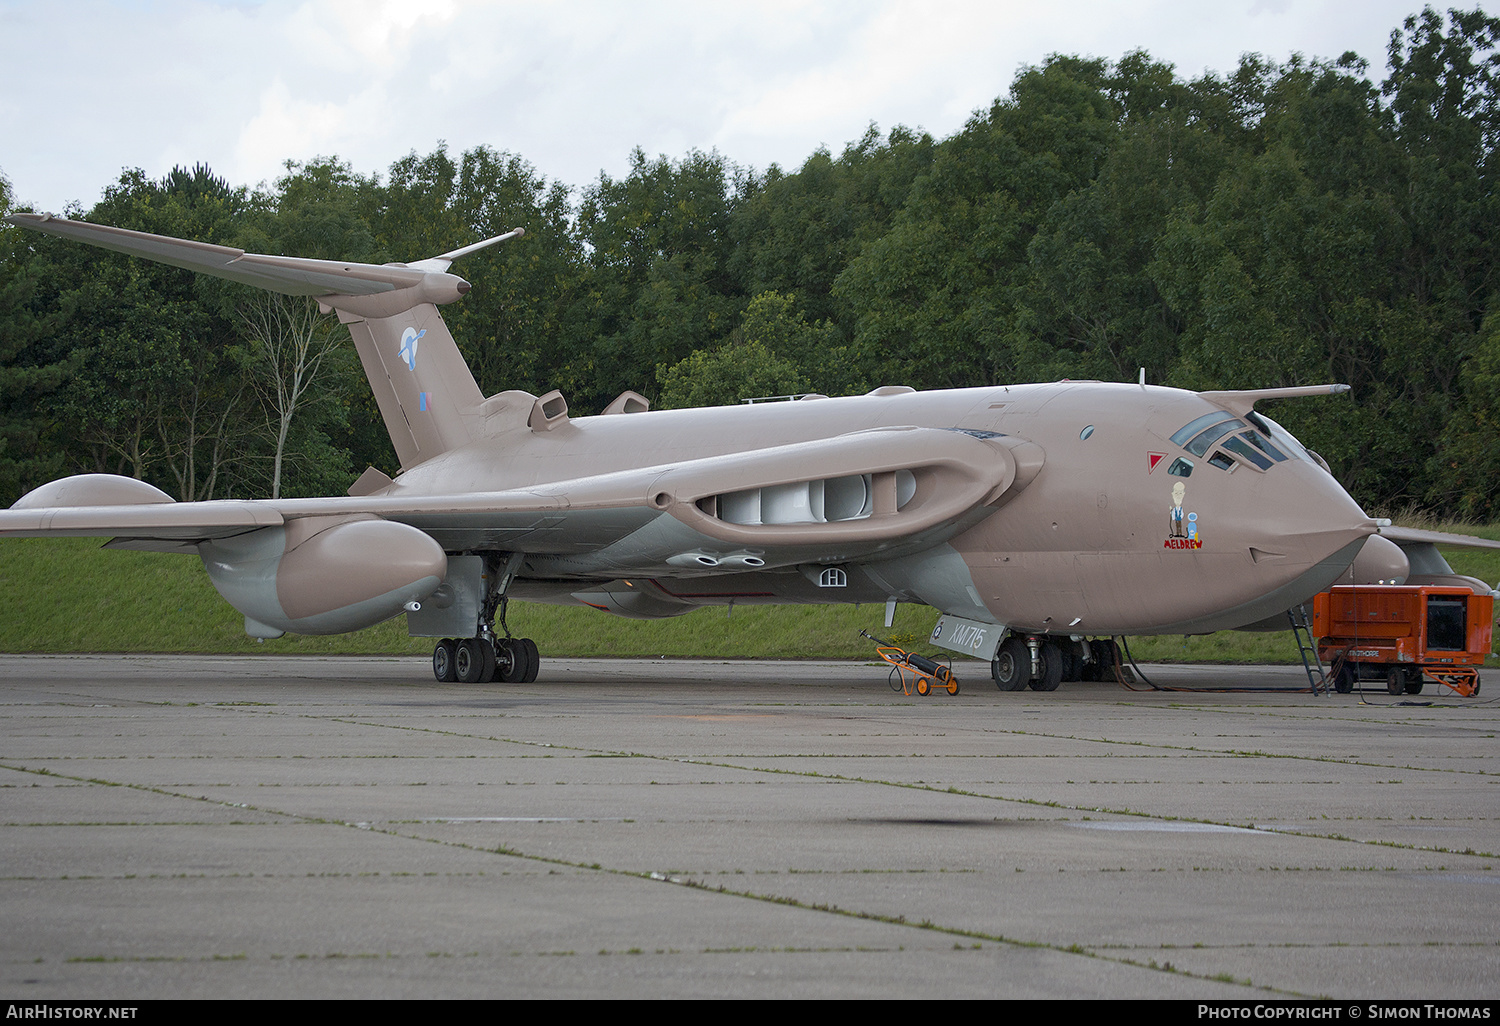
x,y
1021,512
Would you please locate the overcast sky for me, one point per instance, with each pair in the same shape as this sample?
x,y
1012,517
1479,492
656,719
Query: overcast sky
x,y
91,87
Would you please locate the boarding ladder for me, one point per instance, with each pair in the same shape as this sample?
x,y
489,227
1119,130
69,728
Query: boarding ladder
x,y
1307,646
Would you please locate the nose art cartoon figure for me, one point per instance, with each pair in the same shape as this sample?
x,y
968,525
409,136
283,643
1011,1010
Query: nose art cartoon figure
x,y
1174,515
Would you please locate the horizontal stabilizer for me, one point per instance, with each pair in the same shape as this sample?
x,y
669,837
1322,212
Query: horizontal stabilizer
x,y
427,402
293,276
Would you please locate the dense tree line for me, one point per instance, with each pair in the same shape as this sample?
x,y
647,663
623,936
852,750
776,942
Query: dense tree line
x,y
1289,223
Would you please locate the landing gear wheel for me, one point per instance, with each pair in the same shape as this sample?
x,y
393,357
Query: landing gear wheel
x,y
1104,654
510,661
1344,678
533,660
1091,670
516,660
1052,659
1395,681
442,661
1072,655
469,661
1012,665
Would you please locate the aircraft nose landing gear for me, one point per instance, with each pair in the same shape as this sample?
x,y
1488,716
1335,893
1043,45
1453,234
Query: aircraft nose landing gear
x,y
1035,661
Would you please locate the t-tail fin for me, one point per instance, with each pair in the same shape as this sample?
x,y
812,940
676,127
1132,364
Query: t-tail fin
x,y
425,391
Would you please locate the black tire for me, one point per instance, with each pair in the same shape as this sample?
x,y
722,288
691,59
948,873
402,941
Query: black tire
x,y
442,661
533,661
509,661
1395,681
1105,654
1052,660
1072,656
469,662
1012,665
1414,682
1344,678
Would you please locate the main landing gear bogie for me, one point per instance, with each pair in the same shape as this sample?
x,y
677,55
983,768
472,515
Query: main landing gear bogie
x,y
481,660
1057,660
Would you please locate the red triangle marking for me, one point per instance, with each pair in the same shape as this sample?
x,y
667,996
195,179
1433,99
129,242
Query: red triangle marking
x,y
1154,458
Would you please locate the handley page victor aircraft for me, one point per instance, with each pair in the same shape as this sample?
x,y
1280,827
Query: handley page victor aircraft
x,y
1031,516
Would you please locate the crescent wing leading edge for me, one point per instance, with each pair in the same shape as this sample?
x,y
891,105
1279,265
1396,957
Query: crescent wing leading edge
x,y
898,485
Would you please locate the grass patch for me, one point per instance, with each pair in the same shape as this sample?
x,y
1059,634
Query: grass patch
x,y
68,595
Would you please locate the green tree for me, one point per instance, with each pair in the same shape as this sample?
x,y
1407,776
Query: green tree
x,y
155,346
773,352
28,375
1468,464
292,343
795,233
657,284
1090,308
515,326
727,375
936,300
324,209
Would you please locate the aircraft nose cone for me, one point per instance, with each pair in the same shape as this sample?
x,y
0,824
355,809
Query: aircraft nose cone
x,y
1295,533
1305,535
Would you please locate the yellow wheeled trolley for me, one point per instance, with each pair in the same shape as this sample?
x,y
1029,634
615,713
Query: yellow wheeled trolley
x,y
913,672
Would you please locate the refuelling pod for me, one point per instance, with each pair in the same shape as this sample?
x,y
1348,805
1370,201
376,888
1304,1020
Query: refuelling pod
x,y
324,575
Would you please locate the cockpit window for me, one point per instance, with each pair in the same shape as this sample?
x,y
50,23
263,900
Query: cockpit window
x,y
1264,445
1282,439
1237,446
1261,443
1181,467
1199,445
1183,434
